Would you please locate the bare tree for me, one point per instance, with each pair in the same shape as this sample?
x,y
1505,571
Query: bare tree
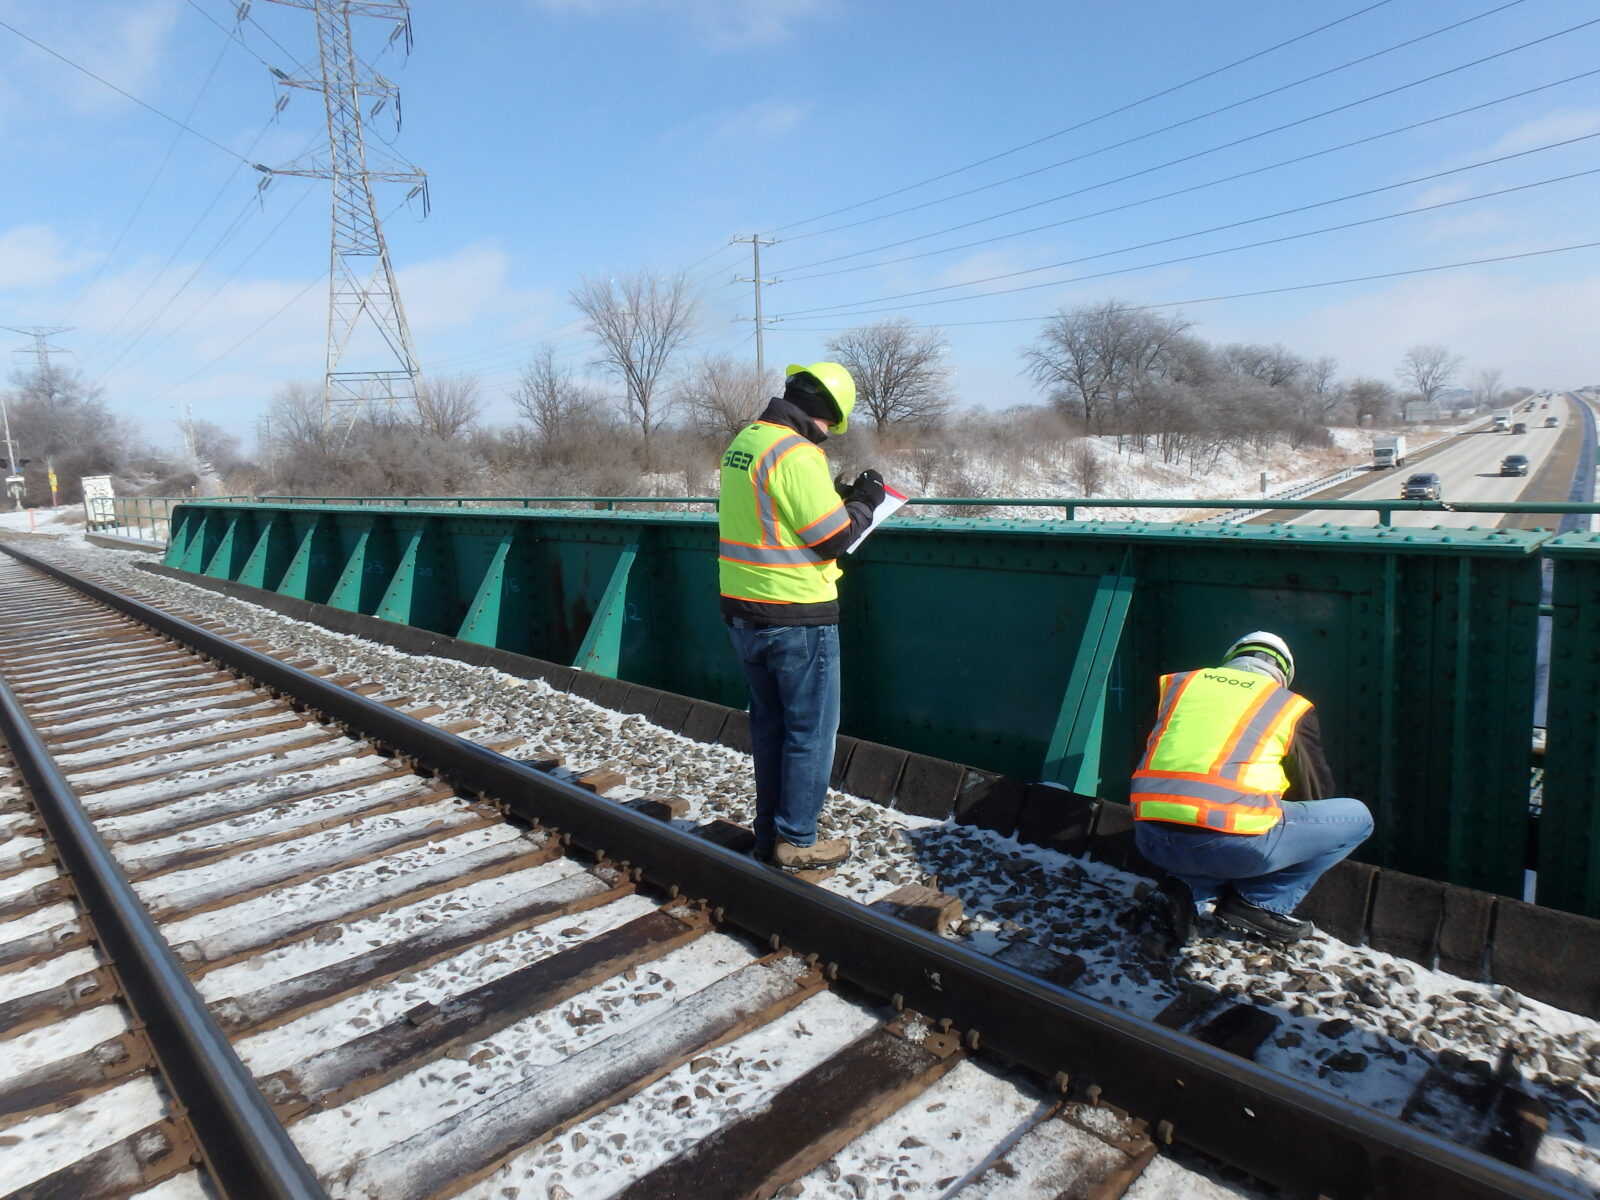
x,y
1323,388
215,446
1273,365
638,322
1369,400
446,406
1089,359
555,403
900,371
722,393
1488,386
1428,369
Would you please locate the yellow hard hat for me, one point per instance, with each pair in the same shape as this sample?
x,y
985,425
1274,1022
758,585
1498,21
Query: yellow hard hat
x,y
838,384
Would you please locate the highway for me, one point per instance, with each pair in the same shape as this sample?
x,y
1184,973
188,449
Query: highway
x,y
1469,467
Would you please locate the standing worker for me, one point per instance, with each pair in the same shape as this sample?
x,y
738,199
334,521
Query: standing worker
x,y
1230,743
781,524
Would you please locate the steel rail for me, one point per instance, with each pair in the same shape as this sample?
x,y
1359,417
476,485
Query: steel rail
x,y
1273,1127
246,1149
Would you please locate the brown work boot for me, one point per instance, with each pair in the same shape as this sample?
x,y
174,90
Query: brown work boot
x,y
818,854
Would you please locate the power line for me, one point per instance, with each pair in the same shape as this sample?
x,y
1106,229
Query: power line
x,y
193,229
1230,225
1278,291
233,33
148,187
1263,133
1202,116
202,370
228,231
226,279
1291,237
129,95
268,321
1167,91
790,277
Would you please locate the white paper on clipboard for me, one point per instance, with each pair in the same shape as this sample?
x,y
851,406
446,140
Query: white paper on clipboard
x,y
890,504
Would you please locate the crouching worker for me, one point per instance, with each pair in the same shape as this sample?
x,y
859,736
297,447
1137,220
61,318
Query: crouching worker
x,y
781,525
1231,798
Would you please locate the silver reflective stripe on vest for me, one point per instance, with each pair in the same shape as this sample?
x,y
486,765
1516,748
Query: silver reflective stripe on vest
x,y
1196,789
769,517
1260,725
770,556
835,522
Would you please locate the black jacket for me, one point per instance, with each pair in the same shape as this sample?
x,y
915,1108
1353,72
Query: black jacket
x,y
782,412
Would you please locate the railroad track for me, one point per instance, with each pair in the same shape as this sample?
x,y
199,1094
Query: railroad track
x,y
263,934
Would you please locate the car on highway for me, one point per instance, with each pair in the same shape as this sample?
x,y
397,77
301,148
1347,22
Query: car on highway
x,y
1519,427
1424,485
1551,422
1514,464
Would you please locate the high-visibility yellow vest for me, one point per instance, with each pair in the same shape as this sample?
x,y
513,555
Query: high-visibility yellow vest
x,y
777,502
1215,757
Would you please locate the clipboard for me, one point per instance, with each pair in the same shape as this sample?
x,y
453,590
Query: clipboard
x,y
891,503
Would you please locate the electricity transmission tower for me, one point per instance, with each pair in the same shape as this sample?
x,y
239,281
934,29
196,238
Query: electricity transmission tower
x,y
362,295
42,349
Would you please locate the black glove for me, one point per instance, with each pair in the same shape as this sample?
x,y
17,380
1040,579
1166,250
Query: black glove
x,y
868,488
844,489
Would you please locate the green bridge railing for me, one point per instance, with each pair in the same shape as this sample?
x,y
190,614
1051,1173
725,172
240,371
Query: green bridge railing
x,y
1066,507
1033,647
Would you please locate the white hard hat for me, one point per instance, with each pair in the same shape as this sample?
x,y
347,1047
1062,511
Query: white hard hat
x,y
1269,644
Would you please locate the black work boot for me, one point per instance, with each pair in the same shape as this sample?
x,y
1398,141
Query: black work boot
x,y
1234,910
1169,915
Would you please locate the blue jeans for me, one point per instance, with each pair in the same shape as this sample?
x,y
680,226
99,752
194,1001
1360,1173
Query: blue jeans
x,y
1272,870
793,672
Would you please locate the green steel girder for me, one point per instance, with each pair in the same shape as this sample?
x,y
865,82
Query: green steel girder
x,y
315,566
1021,647
601,651
1569,825
270,556
1073,754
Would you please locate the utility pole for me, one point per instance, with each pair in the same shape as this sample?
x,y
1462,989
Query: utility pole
x,y
13,473
264,441
361,283
186,425
756,242
41,351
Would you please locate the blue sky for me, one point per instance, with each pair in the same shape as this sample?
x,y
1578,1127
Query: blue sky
x,y
564,137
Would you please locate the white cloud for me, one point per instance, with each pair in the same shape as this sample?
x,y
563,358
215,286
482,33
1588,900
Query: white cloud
x,y
1442,194
1466,224
37,256
763,119
1555,126
721,24
468,287
122,41
1540,332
